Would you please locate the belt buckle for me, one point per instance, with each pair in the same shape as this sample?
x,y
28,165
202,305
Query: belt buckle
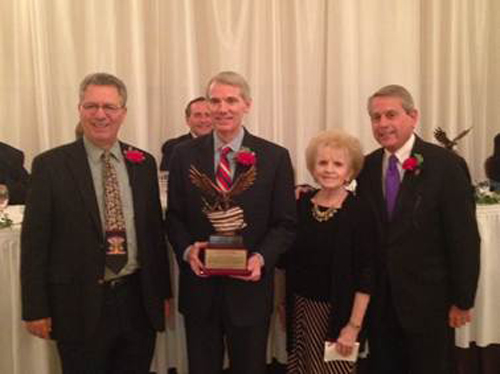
x,y
113,283
118,281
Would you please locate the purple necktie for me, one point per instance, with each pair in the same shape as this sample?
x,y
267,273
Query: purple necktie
x,y
391,184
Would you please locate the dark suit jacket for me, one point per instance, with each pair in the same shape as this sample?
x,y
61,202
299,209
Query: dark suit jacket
x,y
270,213
13,173
62,243
168,148
430,249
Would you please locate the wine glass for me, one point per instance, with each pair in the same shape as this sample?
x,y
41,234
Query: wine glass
x,y
4,198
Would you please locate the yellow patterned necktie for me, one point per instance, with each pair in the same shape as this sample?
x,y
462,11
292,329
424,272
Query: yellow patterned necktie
x,y
115,235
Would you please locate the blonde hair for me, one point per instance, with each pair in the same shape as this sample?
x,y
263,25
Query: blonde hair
x,y
336,139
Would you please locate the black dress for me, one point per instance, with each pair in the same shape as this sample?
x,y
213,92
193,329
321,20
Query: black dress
x,y
327,264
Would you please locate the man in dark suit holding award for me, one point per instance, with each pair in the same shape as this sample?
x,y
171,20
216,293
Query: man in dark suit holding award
x,y
428,262
198,120
257,176
94,270
12,173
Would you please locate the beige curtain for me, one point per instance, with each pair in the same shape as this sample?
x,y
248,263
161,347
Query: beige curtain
x,y
311,65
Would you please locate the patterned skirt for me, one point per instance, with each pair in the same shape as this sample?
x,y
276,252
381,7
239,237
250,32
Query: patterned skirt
x,y
309,328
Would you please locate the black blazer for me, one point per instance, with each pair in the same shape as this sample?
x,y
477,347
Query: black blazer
x,y
270,213
13,173
430,249
168,148
62,243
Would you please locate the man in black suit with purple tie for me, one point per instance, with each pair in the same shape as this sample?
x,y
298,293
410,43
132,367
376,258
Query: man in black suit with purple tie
x,y
94,265
428,260
230,311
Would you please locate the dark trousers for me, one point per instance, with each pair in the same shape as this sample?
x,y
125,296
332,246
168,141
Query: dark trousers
x,y
123,341
396,351
206,340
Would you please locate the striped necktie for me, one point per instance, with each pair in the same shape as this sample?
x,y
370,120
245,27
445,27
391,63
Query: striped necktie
x,y
223,175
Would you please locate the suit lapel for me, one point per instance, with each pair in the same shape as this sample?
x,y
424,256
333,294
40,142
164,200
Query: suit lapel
x,y
79,167
408,197
136,181
131,170
376,182
411,180
205,156
248,142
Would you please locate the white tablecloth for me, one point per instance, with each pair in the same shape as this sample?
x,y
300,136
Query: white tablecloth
x,y
485,326
20,353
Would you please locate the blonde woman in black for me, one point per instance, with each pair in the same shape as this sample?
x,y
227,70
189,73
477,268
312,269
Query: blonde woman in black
x,y
329,267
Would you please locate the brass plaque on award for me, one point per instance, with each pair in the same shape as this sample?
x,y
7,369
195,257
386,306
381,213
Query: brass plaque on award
x,y
225,254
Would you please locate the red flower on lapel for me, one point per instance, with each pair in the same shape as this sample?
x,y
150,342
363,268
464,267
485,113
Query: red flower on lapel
x,y
414,163
134,156
246,157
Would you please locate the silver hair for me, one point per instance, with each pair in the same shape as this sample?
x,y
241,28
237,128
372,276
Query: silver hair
x,y
394,90
231,79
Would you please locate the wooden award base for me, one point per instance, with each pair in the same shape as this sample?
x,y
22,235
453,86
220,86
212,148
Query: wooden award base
x,y
225,256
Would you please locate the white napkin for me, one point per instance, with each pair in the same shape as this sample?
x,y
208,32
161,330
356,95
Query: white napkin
x,y
15,213
331,353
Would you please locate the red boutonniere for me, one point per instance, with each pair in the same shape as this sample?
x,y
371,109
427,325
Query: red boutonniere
x,y
246,157
134,156
414,163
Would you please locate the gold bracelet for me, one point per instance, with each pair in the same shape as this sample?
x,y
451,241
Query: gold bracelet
x,y
354,326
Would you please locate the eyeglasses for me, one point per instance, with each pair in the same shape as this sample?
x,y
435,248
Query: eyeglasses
x,y
108,109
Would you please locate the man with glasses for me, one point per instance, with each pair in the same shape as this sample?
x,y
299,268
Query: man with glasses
x,y
94,267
